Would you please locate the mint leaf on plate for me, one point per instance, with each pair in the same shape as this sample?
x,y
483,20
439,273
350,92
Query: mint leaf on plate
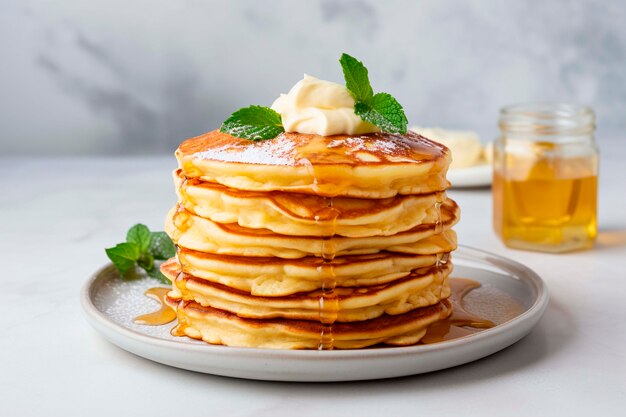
x,y
123,255
137,255
161,246
146,261
253,123
155,272
357,79
383,111
140,235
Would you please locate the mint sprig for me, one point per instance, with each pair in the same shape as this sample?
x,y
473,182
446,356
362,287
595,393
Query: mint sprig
x,y
379,109
253,123
141,250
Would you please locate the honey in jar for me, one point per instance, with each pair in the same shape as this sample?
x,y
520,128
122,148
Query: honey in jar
x,y
545,177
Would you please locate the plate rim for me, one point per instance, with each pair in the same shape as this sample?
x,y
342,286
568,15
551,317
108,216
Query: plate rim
x,y
536,309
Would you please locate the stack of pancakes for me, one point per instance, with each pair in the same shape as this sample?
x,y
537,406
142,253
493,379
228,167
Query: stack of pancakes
x,y
307,241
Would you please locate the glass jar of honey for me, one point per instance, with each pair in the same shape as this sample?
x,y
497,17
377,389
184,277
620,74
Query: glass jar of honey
x,y
545,177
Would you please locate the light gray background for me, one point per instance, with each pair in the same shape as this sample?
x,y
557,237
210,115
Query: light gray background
x,y
137,77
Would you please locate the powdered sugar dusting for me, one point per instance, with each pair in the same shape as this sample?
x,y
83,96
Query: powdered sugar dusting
x,y
121,301
369,143
378,147
278,151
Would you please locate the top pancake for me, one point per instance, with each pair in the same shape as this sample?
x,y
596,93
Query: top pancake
x,y
377,165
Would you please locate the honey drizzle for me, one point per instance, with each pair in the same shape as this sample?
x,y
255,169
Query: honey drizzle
x,y
438,219
179,282
326,218
442,258
181,218
461,322
178,330
163,315
328,300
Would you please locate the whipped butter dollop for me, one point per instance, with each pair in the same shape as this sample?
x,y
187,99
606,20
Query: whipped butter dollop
x,y
320,107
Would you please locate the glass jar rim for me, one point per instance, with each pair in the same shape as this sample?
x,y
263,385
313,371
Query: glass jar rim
x,y
547,118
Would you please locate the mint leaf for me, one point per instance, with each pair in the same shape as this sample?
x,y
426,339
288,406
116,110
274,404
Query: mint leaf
x,y
357,79
383,111
379,109
123,255
155,272
161,246
146,261
140,235
253,123
139,252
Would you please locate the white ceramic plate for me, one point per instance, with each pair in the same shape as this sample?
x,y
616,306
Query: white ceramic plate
x,y
111,304
478,176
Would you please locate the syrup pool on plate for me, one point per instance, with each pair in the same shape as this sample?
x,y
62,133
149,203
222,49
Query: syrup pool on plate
x,y
165,314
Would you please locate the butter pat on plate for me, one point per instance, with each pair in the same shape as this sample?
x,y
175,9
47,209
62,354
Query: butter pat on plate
x,y
471,161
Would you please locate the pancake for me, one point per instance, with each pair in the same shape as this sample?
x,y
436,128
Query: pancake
x,y
271,277
421,288
377,165
306,241
306,215
193,232
223,328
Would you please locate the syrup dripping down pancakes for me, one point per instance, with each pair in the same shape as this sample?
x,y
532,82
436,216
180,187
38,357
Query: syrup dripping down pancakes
x,y
311,242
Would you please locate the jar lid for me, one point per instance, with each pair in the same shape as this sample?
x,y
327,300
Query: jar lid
x,y
541,119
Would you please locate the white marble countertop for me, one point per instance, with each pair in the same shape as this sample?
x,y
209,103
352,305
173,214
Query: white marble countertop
x,y
58,215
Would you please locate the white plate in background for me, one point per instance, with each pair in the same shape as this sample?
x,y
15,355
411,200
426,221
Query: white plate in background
x,y
111,305
477,176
